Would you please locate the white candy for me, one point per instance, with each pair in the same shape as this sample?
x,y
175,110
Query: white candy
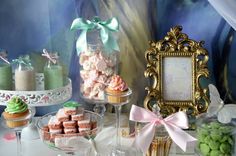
x,y
97,70
83,58
108,71
87,65
100,65
84,74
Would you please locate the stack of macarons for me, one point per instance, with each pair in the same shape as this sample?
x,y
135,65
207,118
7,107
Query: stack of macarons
x,y
215,139
71,120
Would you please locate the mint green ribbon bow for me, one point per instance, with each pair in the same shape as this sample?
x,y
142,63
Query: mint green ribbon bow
x,y
23,60
105,27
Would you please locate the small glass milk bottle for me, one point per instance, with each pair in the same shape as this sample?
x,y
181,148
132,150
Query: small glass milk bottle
x,y
5,72
24,74
53,73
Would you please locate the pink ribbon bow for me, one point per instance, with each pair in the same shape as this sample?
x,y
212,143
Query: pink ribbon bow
x,y
173,125
3,56
51,57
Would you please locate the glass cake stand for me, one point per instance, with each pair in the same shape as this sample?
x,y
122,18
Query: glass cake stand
x,y
118,100
38,98
22,122
70,144
99,105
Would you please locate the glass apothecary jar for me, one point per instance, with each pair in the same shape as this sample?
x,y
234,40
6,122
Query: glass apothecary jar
x,y
5,72
96,68
97,49
161,143
214,138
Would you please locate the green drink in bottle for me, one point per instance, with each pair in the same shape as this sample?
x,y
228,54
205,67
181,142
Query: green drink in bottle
x,y
5,72
53,73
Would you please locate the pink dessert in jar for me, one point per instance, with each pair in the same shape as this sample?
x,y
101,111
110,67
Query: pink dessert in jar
x,y
95,73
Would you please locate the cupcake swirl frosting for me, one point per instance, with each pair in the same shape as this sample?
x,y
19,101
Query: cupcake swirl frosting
x,y
117,83
16,105
71,104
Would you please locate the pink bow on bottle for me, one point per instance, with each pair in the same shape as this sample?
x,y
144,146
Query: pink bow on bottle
x,y
3,56
52,57
173,125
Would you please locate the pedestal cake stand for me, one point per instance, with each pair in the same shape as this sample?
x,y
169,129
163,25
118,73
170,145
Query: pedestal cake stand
x,y
38,98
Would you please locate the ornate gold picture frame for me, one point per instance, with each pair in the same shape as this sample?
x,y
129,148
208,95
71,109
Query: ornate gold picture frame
x,y
175,66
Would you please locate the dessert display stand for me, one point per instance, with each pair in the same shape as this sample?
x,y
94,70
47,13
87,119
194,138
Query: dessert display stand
x,y
70,144
99,105
118,100
24,121
38,98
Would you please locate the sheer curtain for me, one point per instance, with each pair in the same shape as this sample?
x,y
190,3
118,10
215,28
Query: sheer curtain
x,y
136,25
137,20
227,9
225,70
30,26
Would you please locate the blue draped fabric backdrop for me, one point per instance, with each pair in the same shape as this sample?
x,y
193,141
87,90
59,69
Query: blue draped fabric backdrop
x,y
29,26
201,22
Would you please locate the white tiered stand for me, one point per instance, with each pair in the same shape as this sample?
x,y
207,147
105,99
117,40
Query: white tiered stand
x,y
40,97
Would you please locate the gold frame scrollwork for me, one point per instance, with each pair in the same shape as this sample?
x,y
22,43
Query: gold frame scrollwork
x,y
176,44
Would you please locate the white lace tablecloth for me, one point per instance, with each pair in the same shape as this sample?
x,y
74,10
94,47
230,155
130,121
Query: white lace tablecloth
x,y
37,148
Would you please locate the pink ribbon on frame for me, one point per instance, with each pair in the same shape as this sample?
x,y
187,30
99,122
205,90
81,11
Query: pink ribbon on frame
x,y
173,125
51,57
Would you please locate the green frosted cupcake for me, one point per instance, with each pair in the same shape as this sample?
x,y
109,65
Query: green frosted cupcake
x,y
16,109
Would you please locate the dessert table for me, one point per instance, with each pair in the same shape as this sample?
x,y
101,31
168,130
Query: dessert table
x,y
38,148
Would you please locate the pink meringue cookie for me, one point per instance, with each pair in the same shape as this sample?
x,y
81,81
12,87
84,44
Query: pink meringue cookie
x,y
82,58
96,73
96,89
100,65
84,74
86,95
92,95
94,58
102,79
110,62
88,83
87,65
99,86
108,71
100,95
100,55
85,90
108,79
93,75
